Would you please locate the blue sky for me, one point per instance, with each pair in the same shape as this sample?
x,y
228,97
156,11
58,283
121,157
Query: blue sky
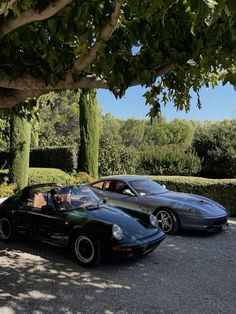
x,y
217,104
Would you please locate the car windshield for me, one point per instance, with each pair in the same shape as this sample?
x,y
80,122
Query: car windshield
x,y
147,187
77,196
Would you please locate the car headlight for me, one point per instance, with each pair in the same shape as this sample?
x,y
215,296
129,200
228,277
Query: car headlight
x,y
153,221
117,232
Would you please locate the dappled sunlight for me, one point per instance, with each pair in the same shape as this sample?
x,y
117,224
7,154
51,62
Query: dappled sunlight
x,y
38,278
37,274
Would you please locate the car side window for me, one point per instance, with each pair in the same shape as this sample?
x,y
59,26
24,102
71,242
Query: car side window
x,y
116,186
98,185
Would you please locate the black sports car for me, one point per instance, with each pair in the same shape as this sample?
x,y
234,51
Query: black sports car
x,y
74,216
173,210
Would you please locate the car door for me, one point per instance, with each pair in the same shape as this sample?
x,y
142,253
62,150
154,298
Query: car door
x,y
118,193
40,221
49,225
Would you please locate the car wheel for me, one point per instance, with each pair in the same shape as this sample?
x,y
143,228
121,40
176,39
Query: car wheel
x,y
167,220
6,230
87,250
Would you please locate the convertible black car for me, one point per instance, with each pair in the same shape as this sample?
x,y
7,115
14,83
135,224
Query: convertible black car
x,y
75,217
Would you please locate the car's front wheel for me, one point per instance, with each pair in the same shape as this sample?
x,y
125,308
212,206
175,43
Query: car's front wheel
x,y
86,250
6,230
167,220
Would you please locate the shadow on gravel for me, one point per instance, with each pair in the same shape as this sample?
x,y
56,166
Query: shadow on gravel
x,y
39,278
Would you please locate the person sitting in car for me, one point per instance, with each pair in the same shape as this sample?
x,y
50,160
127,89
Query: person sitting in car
x,y
59,201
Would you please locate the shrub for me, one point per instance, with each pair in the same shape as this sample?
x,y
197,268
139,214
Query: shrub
x,y
45,175
116,159
169,160
215,144
81,177
7,189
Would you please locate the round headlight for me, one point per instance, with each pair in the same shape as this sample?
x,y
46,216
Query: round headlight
x,y
117,232
153,221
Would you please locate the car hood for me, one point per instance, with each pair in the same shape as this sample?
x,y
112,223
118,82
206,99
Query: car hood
x,y
191,201
132,227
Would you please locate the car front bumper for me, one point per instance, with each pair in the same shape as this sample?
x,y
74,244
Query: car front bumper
x,y
210,224
140,247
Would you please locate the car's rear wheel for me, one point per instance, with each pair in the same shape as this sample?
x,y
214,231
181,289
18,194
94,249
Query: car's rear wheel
x,y
167,220
87,250
6,230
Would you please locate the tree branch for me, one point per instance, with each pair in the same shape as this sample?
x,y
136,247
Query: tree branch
x,y
15,97
28,86
29,82
31,15
106,33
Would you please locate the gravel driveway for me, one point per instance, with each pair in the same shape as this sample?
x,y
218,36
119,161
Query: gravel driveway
x,y
188,273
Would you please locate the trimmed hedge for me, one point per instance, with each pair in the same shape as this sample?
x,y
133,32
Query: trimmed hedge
x,y
64,158
222,191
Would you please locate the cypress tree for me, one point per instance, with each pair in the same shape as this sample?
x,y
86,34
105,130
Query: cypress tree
x,y
20,135
89,132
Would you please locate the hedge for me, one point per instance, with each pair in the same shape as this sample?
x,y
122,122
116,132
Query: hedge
x,y
222,191
64,158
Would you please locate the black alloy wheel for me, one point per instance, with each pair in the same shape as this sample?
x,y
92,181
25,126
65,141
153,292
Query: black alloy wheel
x,y
6,230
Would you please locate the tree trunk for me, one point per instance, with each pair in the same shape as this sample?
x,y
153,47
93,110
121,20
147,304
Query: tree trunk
x,y
20,135
89,132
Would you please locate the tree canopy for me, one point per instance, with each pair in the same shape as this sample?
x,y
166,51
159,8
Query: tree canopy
x,y
170,46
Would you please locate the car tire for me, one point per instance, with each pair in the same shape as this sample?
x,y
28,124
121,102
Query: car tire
x,y
86,249
167,220
6,230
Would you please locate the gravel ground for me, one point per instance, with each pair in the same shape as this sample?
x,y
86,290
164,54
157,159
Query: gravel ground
x,y
188,273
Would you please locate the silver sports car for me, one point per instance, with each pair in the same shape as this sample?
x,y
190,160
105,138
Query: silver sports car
x,y
174,210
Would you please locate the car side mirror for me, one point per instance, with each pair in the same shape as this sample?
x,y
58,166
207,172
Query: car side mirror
x,y
128,192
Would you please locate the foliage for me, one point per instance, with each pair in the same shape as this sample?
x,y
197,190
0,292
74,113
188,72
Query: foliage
x,y
48,175
20,131
4,129
81,177
58,118
7,189
170,160
222,191
89,133
176,132
215,143
110,129
132,132
116,159
171,47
